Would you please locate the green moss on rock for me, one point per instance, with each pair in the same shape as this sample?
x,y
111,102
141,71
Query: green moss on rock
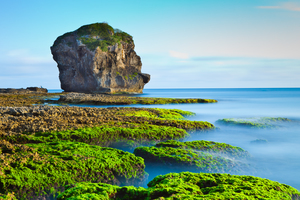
x,y
96,35
197,156
125,128
9,196
160,113
29,170
122,135
188,185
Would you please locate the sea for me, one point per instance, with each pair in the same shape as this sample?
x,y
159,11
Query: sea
x,y
278,158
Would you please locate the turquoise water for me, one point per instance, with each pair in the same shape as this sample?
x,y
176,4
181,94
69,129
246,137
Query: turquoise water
x,y
279,159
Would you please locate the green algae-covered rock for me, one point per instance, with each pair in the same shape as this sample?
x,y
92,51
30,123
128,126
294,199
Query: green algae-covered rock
x,y
188,185
122,135
8,196
261,122
125,128
28,170
196,156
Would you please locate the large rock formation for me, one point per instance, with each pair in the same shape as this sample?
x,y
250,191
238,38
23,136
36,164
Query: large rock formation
x,y
98,59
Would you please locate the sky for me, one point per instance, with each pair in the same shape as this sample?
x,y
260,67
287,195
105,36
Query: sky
x,y
182,43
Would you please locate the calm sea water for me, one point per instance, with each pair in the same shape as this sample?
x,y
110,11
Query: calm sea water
x,y
279,159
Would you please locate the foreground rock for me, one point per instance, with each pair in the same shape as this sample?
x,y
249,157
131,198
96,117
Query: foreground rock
x,y
98,59
187,186
29,170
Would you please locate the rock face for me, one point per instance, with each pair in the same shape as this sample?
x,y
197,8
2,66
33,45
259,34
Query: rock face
x,y
98,59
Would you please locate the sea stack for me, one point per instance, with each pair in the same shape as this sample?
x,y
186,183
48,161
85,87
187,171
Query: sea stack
x,y
97,58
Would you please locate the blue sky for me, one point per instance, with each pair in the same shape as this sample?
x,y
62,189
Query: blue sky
x,y
182,43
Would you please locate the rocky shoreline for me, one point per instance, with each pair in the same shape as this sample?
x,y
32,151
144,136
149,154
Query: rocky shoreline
x,y
47,150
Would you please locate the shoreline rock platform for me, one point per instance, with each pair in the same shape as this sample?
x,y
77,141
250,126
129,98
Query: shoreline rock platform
x,y
103,99
45,150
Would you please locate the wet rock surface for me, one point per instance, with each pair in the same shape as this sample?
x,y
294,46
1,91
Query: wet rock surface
x,y
98,59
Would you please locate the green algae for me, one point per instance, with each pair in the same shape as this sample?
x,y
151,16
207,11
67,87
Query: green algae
x,y
261,123
187,185
9,196
96,35
197,156
47,166
160,113
165,117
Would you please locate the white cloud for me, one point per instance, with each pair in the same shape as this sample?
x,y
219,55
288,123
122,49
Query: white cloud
x,y
180,55
291,6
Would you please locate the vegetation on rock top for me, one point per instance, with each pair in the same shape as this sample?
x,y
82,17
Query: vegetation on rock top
x,y
187,185
99,35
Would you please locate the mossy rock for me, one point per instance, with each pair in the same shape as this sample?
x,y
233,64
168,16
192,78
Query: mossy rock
x,y
197,156
187,185
30,170
121,135
125,128
160,113
261,123
9,196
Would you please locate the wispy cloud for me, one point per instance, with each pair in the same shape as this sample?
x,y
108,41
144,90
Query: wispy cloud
x,y
291,6
23,56
179,55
